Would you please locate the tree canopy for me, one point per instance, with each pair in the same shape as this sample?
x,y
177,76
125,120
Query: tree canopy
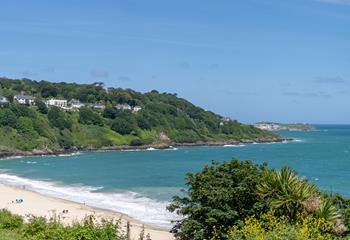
x,y
178,120
230,200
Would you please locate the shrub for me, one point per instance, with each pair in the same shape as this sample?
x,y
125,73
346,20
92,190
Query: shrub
x,y
268,226
122,126
42,108
59,119
137,142
285,191
39,228
8,118
88,116
9,221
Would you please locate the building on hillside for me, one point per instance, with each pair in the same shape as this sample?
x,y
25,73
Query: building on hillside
x,y
99,106
136,109
74,103
61,103
123,107
24,99
3,100
225,120
268,126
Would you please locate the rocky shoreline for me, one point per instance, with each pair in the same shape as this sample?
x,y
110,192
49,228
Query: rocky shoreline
x,y
19,153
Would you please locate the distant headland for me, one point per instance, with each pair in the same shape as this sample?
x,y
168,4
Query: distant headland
x,y
272,126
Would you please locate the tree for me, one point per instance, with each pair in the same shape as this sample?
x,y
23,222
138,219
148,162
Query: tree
x,y
109,112
58,119
88,116
24,125
286,192
42,108
218,197
143,123
49,91
122,126
8,118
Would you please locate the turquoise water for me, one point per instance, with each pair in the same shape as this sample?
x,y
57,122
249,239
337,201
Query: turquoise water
x,y
141,183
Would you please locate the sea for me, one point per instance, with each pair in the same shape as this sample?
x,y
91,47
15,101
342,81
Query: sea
x,y
141,183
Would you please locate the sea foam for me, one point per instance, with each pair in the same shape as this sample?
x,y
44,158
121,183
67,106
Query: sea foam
x,y
133,204
234,145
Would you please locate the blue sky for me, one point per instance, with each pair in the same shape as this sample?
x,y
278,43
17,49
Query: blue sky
x,y
252,60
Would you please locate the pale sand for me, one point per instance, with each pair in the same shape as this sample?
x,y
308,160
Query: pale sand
x,y
40,205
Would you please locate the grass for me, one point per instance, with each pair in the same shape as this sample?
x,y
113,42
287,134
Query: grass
x,y
10,235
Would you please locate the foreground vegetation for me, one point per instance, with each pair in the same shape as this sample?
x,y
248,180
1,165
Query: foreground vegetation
x,y
163,119
12,227
242,200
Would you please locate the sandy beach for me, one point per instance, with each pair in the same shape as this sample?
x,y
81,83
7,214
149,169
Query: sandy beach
x,y
40,205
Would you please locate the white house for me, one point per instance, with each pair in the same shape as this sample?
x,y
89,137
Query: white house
x,y
99,106
74,103
136,108
3,100
123,107
61,103
24,99
225,120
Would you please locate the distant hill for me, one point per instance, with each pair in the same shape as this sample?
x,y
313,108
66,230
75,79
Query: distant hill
x,y
271,126
88,116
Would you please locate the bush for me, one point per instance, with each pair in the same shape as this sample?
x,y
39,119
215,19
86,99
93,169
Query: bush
x,y
9,221
59,119
24,125
137,142
123,126
8,118
109,112
88,116
268,226
39,228
42,108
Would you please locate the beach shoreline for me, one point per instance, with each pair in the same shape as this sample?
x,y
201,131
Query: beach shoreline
x,y
19,153
37,204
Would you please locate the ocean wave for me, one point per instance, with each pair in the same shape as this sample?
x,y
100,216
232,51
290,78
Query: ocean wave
x,y
12,157
131,150
171,149
232,145
131,203
281,142
69,154
29,162
151,149
140,150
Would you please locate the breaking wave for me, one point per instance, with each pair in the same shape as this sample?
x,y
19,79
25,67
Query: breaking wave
x,y
131,203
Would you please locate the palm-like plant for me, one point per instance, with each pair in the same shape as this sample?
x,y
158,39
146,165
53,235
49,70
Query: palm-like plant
x,y
328,211
286,192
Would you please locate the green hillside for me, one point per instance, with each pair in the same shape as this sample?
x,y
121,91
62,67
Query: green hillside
x,y
153,119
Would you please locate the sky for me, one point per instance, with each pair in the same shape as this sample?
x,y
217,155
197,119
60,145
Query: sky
x,y
251,60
